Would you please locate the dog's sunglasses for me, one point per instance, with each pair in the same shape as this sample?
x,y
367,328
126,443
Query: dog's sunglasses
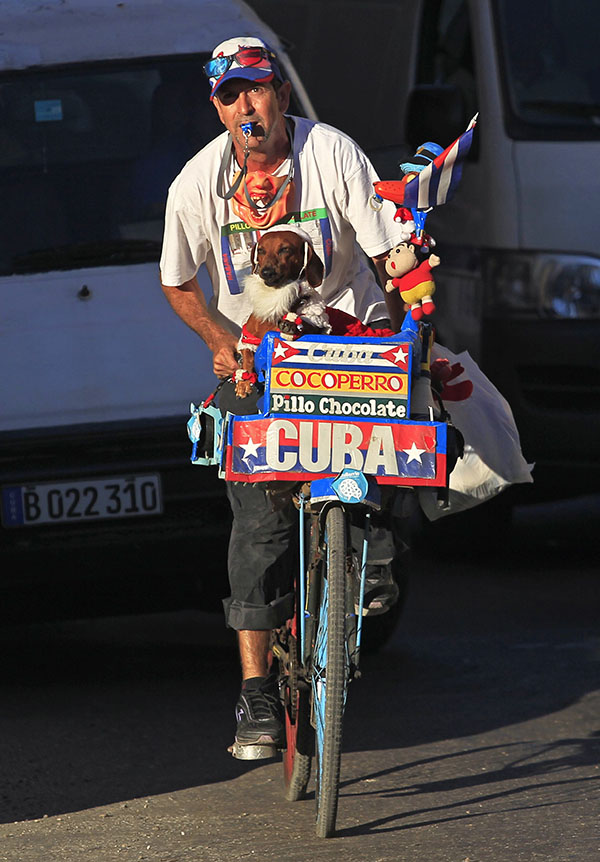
x,y
244,57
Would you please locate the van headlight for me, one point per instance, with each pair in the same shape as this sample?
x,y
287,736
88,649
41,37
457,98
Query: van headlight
x,y
542,285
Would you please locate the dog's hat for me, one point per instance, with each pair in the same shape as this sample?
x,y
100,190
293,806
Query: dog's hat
x,y
291,227
235,58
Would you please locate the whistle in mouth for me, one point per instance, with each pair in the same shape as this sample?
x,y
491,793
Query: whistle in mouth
x,y
246,129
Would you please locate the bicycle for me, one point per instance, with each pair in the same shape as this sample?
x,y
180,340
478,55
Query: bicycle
x,y
318,651
307,432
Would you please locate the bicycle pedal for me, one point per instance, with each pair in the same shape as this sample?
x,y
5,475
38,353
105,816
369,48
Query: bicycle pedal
x,y
256,751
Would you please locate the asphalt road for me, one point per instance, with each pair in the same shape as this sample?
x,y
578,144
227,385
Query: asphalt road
x,y
474,736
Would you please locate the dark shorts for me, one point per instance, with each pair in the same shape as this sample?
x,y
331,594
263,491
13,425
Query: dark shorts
x,y
262,557
262,560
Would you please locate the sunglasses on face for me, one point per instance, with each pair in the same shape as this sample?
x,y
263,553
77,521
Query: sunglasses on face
x,y
244,57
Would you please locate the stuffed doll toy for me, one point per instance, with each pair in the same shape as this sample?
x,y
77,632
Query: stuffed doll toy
x,y
412,277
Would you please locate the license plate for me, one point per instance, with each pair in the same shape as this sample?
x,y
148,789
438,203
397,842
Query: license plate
x,y
81,500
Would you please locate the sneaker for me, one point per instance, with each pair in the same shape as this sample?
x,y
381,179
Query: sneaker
x,y
259,713
381,590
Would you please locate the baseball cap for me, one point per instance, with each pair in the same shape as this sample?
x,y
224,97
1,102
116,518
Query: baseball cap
x,y
242,57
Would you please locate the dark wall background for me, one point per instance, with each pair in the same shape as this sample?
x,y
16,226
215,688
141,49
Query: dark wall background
x,y
349,55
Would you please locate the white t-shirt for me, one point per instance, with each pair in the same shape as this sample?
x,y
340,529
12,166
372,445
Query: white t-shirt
x,y
333,184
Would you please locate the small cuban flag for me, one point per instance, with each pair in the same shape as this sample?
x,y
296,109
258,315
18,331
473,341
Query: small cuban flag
x,y
436,183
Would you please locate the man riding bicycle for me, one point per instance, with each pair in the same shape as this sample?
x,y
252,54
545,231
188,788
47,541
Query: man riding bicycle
x,y
321,181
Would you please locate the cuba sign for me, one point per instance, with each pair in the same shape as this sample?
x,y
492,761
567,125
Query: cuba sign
x,y
262,449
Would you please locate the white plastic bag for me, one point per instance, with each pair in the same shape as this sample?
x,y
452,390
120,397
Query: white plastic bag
x,y
493,459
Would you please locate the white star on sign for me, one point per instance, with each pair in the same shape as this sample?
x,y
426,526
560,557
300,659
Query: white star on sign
x,y
414,454
401,355
280,351
250,449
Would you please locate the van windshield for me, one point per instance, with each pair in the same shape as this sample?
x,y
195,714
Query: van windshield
x,y
87,155
551,69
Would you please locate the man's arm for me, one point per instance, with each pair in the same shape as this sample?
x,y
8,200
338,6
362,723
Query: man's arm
x,y
395,305
189,303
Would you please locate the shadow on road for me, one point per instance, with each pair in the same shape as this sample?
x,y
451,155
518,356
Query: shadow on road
x,y
550,760
96,712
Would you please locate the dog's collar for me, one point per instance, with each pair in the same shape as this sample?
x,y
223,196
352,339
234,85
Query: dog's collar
x,y
248,338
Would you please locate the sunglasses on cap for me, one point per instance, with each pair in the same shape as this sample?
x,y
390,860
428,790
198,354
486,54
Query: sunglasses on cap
x,y
217,67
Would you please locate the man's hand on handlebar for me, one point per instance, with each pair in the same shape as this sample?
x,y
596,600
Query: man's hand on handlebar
x,y
224,356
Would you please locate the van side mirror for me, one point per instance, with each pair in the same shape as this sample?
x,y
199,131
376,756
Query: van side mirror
x,y
435,112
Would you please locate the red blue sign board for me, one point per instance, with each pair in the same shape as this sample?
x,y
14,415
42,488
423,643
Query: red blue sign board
x,y
262,449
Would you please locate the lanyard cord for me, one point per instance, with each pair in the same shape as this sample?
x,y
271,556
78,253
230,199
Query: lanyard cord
x,y
223,167
227,195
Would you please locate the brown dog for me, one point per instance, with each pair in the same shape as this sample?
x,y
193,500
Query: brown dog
x,y
281,291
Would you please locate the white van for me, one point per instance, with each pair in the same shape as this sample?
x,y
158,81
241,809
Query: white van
x,y
519,281
101,104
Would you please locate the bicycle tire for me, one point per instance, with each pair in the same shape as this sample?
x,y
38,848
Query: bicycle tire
x,y
297,757
330,677
299,732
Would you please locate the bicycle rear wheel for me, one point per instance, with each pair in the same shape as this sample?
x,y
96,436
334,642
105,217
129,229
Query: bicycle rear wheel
x,y
299,732
330,673
297,757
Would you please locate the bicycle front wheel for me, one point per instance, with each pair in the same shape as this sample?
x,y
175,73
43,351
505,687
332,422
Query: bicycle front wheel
x,y
331,671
